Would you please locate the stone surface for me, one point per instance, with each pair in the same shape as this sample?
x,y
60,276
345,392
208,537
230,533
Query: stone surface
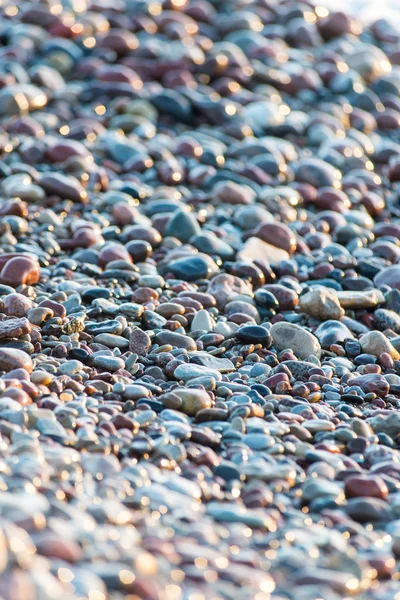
x,y
321,304
375,343
289,335
255,248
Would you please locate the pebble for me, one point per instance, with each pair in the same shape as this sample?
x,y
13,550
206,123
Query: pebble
x,y
301,342
203,322
186,372
224,365
12,358
108,363
175,339
199,301
321,304
254,334
255,248
332,332
359,300
376,343
389,276
139,342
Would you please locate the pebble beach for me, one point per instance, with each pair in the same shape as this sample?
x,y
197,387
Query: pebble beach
x,y
199,300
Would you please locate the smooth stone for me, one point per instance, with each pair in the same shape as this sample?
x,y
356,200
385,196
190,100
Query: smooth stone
x,y
11,358
316,425
112,341
225,287
389,276
191,268
51,428
299,368
371,486
209,243
316,172
231,513
332,332
254,334
277,234
183,225
70,367
371,383
17,305
358,300
388,424
68,188
322,304
387,319
202,321
175,339
258,441
365,510
135,391
111,326
131,309
254,249
223,365
20,270
319,488
108,363
227,470
375,342
289,335
186,372
193,400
